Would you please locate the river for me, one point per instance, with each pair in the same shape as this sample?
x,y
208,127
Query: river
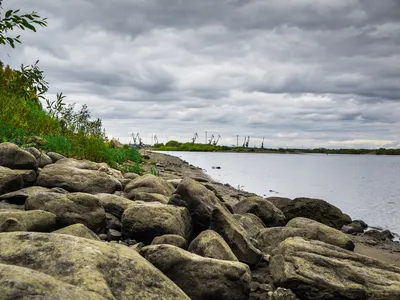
x,y
366,187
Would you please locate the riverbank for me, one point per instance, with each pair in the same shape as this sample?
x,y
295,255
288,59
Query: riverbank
x,y
78,229
172,167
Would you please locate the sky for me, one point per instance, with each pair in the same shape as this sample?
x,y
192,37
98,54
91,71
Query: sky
x,y
300,73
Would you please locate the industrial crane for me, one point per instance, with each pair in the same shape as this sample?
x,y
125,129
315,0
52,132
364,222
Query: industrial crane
x,y
137,140
195,136
155,139
211,139
216,141
262,144
246,141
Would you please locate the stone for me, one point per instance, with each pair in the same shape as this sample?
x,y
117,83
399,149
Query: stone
x,y
34,220
23,283
379,235
131,176
149,184
71,209
279,202
266,211
10,181
90,165
250,223
198,200
199,277
78,230
316,270
352,228
113,204
113,235
11,156
28,176
11,225
144,221
55,156
316,209
77,180
112,222
19,197
282,294
211,244
235,236
171,239
151,197
109,271
42,158
269,238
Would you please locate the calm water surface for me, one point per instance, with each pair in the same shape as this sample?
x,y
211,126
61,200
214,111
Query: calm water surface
x,y
364,186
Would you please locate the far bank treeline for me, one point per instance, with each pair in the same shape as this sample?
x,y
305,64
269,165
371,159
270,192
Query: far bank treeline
x,y
196,147
58,127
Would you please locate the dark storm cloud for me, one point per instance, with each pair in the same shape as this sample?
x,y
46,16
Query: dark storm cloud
x,y
306,72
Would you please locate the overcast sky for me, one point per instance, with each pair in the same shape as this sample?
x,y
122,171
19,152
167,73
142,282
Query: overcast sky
x,y
301,73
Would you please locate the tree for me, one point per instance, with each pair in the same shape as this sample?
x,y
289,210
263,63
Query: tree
x,y
13,19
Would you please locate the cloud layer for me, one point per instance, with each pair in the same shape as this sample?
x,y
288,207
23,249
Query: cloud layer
x,y
308,73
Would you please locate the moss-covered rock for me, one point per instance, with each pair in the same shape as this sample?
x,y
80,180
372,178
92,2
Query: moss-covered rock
x,y
11,225
316,270
110,271
74,179
42,158
250,222
151,197
265,210
114,204
11,156
198,200
78,230
269,238
149,184
34,220
143,221
19,197
171,239
235,236
23,283
71,209
316,209
10,181
200,277
211,244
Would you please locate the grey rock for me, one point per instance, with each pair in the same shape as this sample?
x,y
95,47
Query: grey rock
x,y
171,239
11,156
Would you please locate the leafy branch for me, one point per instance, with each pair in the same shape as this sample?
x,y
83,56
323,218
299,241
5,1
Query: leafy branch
x,y
12,20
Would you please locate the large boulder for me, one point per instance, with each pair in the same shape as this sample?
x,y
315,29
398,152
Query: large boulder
x,y
279,202
149,184
34,220
90,165
316,209
151,197
28,176
11,156
236,237
171,239
211,244
19,197
11,225
71,209
72,264
78,230
266,211
198,200
77,180
250,223
143,221
55,156
199,277
114,204
23,283
316,270
10,181
269,238
42,158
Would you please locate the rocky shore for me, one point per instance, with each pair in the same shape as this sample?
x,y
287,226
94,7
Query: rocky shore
x,y
73,229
